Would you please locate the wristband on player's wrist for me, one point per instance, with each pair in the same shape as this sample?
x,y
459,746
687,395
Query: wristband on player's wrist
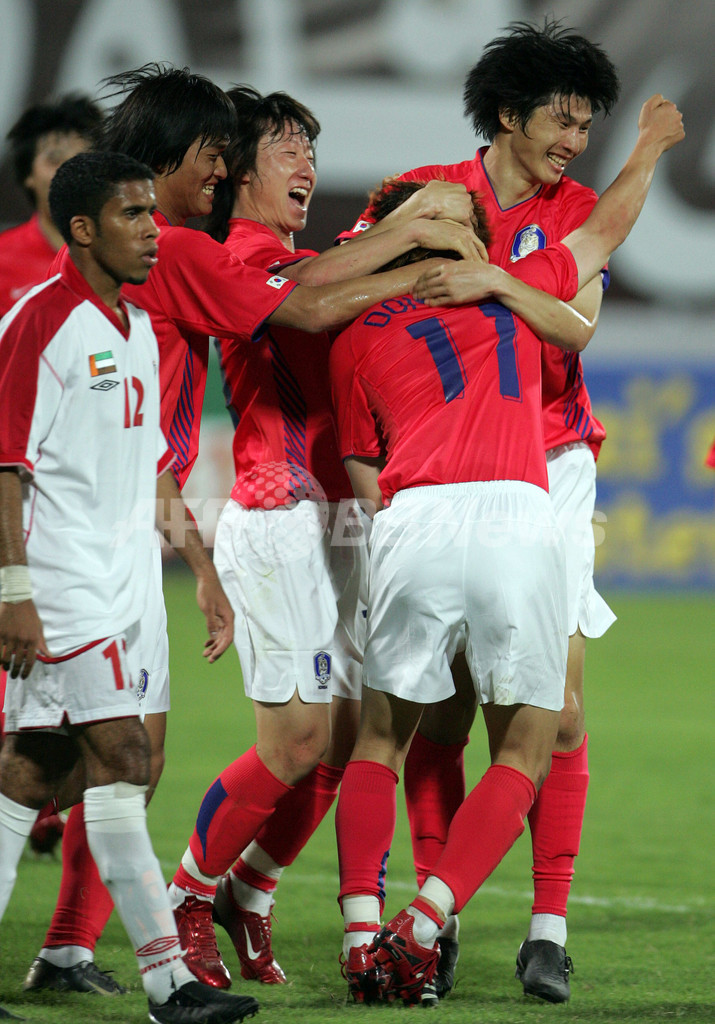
x,y
15,585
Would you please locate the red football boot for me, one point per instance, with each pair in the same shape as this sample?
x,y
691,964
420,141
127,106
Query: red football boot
x,y
367,982
251,937
198,937
408,965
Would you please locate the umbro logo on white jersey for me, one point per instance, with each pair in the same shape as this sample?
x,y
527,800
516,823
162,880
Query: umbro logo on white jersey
x,y
252,954
104,385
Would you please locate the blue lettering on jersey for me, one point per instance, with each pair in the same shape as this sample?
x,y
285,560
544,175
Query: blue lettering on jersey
x,y
403,304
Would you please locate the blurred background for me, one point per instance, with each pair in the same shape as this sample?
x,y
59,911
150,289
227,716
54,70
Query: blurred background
x,y
384,77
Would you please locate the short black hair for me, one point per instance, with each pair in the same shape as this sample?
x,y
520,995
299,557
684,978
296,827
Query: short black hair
x,y
71,113
165,110
84,183
529,66
257,116
392,193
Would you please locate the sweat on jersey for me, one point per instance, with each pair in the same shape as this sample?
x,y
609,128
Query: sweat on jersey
x,y
79,417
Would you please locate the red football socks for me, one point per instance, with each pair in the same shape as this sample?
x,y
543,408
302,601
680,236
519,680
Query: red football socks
x,y
486,825
434,789
556,820
365,825
234,808
84,904
298,814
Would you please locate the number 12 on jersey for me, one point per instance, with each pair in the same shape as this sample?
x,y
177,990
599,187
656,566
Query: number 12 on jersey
x,y
135,418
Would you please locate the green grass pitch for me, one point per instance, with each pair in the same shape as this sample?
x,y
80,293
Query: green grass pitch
x,y
641,913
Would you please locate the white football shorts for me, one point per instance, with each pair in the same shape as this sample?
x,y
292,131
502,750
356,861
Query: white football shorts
x,y
152,684
95,683
296,579
473,567
572,488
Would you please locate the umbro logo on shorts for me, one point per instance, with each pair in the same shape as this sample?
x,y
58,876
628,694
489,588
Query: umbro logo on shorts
x,y
104,385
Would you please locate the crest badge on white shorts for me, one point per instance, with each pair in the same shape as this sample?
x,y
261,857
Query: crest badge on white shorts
x,y
142,684
322,663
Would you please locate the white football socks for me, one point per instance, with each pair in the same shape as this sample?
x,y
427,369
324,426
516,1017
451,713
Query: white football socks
x,y
115,818
551,927
16,823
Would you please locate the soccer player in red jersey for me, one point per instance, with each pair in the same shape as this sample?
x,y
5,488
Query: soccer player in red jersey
x,y
533,95
289,544
179,124
40,141
446,439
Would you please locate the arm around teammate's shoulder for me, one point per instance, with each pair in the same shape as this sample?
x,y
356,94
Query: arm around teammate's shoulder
x,y
324,307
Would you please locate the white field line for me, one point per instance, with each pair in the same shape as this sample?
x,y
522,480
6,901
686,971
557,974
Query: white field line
x,y
643,903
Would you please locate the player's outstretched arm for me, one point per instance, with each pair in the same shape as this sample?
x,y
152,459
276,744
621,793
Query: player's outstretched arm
x,y
178,527
571,325
21,636
368,252
328,306
660,127
557,322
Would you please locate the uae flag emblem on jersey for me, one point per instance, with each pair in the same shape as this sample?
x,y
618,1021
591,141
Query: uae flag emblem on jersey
x,y
102,362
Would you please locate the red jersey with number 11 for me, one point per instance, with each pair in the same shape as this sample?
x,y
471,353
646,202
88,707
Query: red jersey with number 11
x,y
547,217
449,394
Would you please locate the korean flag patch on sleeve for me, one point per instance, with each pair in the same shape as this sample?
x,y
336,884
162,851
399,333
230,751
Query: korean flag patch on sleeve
x,y
276,281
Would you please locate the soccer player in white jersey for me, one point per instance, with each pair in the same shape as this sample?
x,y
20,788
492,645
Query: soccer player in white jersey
x,y
83,471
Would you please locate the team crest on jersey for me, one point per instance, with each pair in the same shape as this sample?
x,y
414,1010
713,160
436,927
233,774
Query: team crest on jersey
x,y
322,663
102,362
529,239
277,281
362,225
142,684
104,385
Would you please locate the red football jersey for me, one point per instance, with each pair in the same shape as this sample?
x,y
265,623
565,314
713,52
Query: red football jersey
x,y
197,289
285,443
448,394
546,217
25,257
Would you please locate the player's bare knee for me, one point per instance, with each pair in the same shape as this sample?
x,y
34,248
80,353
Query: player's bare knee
x,y
572,726
540,770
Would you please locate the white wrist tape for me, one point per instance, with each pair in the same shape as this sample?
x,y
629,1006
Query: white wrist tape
x,y
15,585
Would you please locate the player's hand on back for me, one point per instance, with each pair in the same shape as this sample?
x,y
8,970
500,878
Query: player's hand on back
x,y
21,638
661,123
